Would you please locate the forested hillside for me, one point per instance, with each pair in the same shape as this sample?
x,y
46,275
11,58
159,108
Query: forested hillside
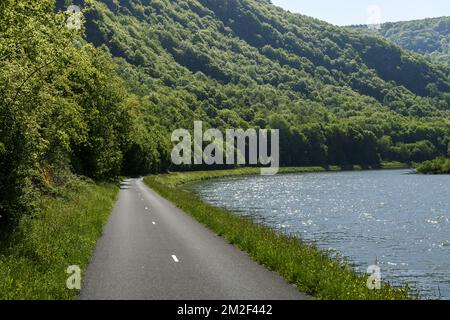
x,y
338,97
104,100
430,37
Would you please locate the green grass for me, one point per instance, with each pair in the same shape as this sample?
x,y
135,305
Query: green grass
x,y
35,256
312,270
395,165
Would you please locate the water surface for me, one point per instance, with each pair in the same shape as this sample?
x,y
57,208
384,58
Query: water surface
x,y
391,217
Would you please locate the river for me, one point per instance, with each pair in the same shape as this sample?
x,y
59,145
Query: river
x,y
393,218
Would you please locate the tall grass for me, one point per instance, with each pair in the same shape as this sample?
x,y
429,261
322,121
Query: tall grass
x,y
310,269
35,256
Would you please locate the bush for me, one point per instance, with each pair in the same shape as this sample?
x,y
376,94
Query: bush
x,y
439,165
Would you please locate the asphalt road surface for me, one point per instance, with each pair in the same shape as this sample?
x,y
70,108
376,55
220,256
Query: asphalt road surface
x,y
152,250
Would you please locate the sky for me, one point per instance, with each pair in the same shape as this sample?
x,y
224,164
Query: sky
x,y
347,12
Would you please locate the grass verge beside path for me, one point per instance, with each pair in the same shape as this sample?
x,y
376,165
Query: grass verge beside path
x,y
34,259
312,270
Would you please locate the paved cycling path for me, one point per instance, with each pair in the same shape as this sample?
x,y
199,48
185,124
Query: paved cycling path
x,y
152,250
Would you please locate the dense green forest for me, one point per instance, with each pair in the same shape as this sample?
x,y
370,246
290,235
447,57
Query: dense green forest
x,y
430,37
104,100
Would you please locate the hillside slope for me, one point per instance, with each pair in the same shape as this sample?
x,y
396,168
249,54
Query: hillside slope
x,y
430,37
339,97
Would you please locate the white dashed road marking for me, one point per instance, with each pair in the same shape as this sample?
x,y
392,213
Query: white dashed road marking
x,y
174,257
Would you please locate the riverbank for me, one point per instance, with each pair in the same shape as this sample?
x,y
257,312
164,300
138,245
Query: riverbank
x,y
437,166
64,231
179,178
310,269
